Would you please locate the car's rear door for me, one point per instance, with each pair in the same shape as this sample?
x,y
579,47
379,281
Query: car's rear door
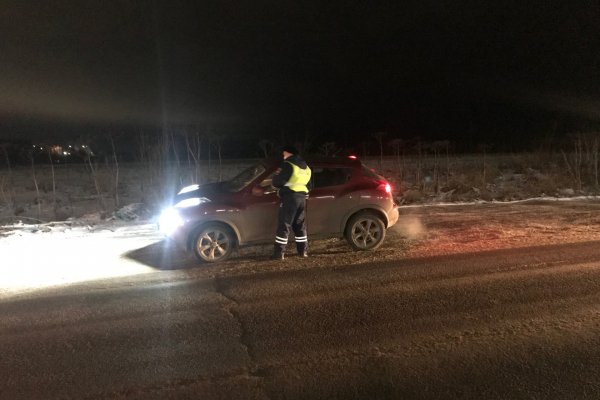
x,y
330,198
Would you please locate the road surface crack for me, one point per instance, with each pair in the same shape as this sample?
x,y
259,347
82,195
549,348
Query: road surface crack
x,y
231,308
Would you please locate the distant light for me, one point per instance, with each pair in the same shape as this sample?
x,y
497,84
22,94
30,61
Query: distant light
x,y
353,157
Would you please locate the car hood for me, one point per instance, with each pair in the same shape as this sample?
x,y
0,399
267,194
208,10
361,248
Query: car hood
x,y
211,191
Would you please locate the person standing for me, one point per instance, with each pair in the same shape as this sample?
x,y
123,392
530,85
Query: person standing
x,y
291,180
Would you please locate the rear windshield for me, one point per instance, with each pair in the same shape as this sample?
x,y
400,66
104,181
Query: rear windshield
x,y
369,172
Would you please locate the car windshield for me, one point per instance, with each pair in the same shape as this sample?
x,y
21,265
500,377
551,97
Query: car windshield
x,y
242,179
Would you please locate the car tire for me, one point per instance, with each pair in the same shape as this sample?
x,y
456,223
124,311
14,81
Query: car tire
x,y
365,231
213,243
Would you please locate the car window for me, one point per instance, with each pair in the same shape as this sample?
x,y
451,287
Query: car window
x,y
330,176
268,181
242,180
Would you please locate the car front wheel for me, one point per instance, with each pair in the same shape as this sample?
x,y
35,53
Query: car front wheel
x,y
213,243
365,231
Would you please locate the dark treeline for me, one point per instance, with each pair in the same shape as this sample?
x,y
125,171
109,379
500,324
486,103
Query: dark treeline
x,y
185,144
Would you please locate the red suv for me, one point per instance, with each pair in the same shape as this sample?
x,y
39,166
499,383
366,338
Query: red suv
x,y
346,199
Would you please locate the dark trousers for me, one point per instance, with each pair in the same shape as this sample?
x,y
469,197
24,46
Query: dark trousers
x,y
292,214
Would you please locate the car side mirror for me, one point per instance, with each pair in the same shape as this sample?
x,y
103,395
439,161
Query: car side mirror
x,y
261,191
257,191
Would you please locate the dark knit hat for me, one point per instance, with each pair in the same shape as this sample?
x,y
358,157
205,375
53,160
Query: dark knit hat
x,y
289,148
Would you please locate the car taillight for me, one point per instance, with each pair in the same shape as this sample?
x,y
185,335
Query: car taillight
x,y
386,187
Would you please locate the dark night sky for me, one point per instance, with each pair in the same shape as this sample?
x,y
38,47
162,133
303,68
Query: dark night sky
x,y
458,70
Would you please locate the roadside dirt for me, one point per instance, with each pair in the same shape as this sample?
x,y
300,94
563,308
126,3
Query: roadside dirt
x,y
439,230
134,252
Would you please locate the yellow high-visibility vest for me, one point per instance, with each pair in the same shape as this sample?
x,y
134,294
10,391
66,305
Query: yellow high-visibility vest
x,y
299,178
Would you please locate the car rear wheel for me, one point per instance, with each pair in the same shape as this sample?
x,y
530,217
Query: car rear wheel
x,y
213,243
365,231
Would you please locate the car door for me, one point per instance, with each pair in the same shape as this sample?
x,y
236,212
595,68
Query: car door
x,y
330,197
261,207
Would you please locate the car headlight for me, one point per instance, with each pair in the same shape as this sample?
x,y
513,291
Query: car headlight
x,y
169,221
191,202
190,188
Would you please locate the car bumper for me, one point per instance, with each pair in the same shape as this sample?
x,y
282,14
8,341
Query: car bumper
x,y
393,216
178,237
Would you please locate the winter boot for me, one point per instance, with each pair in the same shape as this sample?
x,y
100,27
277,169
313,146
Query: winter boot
x,y
278,253
302,249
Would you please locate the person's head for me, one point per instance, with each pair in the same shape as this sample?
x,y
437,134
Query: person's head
x,y
288,151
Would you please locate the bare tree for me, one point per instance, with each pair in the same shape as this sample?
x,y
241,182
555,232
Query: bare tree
x,y
438,147
8,193
266,146
38,200
484,148
583,161
6,157
595,149
328,149
574,161
143,147
418,147
591,149
396,145
364,148
447,143
193,143
216,141
53,180
173,145
94,174
307,142
379,137
115,170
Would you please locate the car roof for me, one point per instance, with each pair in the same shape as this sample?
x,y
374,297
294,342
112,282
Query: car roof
x,y
341,161
324,161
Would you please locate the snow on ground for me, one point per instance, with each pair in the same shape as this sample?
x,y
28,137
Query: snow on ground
x,y
39,256
90,249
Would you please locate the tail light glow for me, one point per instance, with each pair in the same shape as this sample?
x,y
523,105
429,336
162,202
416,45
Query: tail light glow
x,y
386,187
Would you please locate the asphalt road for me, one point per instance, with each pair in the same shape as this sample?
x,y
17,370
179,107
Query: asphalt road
x,y
508,324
